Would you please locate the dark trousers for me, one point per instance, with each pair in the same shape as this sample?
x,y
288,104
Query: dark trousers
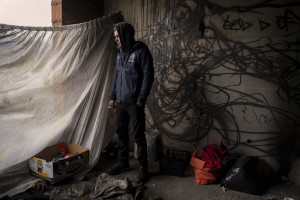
x,y
135,114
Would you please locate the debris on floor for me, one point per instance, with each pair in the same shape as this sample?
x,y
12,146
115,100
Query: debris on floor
x,y
29,194
224,189
41,185
105,187
100,187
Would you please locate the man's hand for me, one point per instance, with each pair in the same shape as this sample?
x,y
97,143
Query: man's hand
x,y
111,104
139,104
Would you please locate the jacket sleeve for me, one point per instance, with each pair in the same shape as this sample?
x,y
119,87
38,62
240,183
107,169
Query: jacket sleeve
x,y
146,61
113,89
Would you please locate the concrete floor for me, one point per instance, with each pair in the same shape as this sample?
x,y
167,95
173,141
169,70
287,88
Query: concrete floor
x,y
185,188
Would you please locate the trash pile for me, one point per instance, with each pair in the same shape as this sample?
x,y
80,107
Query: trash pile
x,y
100,187
62,154
232,171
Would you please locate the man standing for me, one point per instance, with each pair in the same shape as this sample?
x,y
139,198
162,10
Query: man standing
x,y
134,75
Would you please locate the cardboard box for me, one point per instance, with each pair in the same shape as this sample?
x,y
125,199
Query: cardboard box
x,y
42,167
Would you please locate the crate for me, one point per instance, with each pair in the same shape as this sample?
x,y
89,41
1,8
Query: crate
x,y
175,162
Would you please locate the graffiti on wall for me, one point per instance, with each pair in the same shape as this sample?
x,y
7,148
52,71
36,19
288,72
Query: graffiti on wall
x,y
244,89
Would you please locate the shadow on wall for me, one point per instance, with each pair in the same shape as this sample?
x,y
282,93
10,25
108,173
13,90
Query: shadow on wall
x,y
224,72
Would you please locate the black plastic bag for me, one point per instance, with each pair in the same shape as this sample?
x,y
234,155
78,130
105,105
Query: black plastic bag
x,y
244,176
227,162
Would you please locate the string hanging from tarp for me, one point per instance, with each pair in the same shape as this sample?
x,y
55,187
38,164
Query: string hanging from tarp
x,y
54,87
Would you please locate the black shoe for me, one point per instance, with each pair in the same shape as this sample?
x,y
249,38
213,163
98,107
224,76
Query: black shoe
x,y
143,175
119,169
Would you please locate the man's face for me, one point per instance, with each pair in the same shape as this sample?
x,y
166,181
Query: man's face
x,y
117,38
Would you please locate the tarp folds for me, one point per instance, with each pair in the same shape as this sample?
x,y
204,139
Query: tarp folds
x,y
54,85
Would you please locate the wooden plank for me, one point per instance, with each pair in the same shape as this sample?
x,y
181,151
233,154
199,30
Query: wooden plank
x,y
56,11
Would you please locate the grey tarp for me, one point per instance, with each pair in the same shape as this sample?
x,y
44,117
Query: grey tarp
x,y
54,85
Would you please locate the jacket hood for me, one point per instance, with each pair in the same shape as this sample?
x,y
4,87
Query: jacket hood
x,y
126,33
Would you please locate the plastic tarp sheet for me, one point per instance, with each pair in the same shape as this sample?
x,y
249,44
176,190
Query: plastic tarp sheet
x,y
54,87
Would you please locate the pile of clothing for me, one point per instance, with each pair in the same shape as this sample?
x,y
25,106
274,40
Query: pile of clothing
x,y
101,187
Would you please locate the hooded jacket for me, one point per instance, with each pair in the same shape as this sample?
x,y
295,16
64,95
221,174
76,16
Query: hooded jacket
x,y
134,72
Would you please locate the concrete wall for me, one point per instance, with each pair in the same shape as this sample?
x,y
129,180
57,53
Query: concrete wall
x,y
223,70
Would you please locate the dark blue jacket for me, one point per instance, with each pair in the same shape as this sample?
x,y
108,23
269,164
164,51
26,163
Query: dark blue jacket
x,y
133,77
